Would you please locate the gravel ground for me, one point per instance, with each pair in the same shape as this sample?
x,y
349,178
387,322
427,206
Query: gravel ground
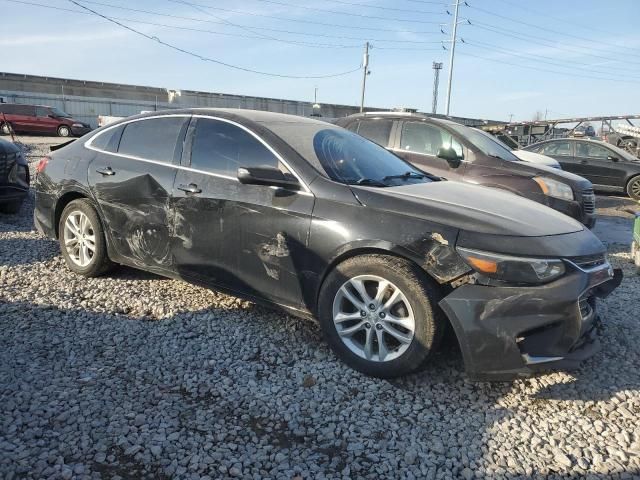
x,y
135,376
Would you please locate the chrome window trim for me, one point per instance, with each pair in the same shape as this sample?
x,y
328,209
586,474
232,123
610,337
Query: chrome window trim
x,y
89,145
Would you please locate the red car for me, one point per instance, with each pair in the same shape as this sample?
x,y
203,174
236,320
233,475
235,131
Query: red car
x,y
39,119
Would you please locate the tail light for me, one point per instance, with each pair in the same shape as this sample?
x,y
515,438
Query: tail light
x,y
42,164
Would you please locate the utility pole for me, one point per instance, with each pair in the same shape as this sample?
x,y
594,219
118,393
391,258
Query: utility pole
x,y
437,66
315,95
454,32
510,117
365,65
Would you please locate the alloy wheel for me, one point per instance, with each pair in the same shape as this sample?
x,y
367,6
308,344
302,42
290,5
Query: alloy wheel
x,y
373,318
79,238
634,188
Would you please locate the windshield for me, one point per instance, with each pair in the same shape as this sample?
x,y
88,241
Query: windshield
x,y
623,153
346,157
59,113
486,143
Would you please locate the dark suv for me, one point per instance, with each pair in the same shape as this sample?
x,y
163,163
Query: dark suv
x,y
39,119
456,152
14,177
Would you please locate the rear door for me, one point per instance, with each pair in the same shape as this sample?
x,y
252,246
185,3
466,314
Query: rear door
x,y
419,144
599,164
562,151
131,178
24,118
248,238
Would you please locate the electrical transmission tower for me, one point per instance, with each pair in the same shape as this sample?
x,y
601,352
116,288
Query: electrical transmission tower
x,y
437,66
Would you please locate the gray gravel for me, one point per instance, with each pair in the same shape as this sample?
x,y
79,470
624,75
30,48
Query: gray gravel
x,y
135,376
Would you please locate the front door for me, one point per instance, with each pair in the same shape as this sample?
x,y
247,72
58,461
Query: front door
x,y
248,238
131,178
599,164
419,145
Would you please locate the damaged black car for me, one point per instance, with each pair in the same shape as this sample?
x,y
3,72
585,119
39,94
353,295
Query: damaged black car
x,y
320,222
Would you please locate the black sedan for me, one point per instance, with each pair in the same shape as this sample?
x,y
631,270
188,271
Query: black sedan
x,y
318,221
609,168
14,177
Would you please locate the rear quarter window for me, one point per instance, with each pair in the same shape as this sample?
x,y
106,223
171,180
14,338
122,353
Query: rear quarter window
x,y
108,140
377,131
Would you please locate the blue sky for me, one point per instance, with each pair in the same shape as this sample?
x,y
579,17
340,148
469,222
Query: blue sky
x,y
568,58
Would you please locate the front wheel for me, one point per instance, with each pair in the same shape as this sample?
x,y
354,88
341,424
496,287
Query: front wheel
x,y
64,131
82,239
379,314
633,188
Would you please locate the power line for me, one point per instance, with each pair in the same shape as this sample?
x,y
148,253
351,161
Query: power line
x,y
274,17
336,12
365,5
528,37
547,60
291,32
501,62
208,59
550,30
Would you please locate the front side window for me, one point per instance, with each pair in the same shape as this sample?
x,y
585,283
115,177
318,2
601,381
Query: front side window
x,y
221,147
59,113
153,139
377,131
556,149
427,139
584,149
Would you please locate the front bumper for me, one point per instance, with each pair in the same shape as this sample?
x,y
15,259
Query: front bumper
x,y
510,332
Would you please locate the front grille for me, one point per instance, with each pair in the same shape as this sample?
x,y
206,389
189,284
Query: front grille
x,y
587,262
588,201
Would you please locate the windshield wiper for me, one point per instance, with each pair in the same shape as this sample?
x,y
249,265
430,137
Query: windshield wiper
x,y
369,182
405,175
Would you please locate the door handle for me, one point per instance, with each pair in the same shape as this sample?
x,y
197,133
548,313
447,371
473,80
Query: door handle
x,y
108,171
191,188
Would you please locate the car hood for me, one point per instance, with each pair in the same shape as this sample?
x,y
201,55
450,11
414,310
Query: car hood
x,y
470,207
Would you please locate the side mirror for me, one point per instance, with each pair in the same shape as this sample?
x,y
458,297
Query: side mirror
x,y
272,177
612,158
450,155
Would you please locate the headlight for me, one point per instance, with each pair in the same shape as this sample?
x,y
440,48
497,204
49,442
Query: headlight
x,y
78,125
553,188
513,269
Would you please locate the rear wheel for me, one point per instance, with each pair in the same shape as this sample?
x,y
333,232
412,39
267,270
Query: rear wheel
x,y
64,131
379,314
633,188
82,239
6,129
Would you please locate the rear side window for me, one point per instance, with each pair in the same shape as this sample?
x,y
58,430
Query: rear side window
x,y
377,131
108,140
42,112
17,109
154,139
220,147
556,148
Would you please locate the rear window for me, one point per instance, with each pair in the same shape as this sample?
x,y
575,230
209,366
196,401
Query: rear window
x,y
153,139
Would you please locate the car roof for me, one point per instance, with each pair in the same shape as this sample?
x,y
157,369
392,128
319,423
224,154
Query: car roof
x,y
404,115
258,116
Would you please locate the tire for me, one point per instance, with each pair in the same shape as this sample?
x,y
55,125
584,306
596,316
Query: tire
x,y
6,129
633,188
418,299
86,263
64,131
11,207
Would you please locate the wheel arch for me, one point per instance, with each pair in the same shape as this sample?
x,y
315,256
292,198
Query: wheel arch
x,y
64,200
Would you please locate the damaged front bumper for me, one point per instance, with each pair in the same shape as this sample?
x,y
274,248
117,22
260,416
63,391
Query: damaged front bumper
x,y
508,332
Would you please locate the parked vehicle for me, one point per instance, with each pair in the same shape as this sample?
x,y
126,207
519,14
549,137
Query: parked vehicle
x,y
318,221
635,243
457,152
523,155
608,167
39,119
14,177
